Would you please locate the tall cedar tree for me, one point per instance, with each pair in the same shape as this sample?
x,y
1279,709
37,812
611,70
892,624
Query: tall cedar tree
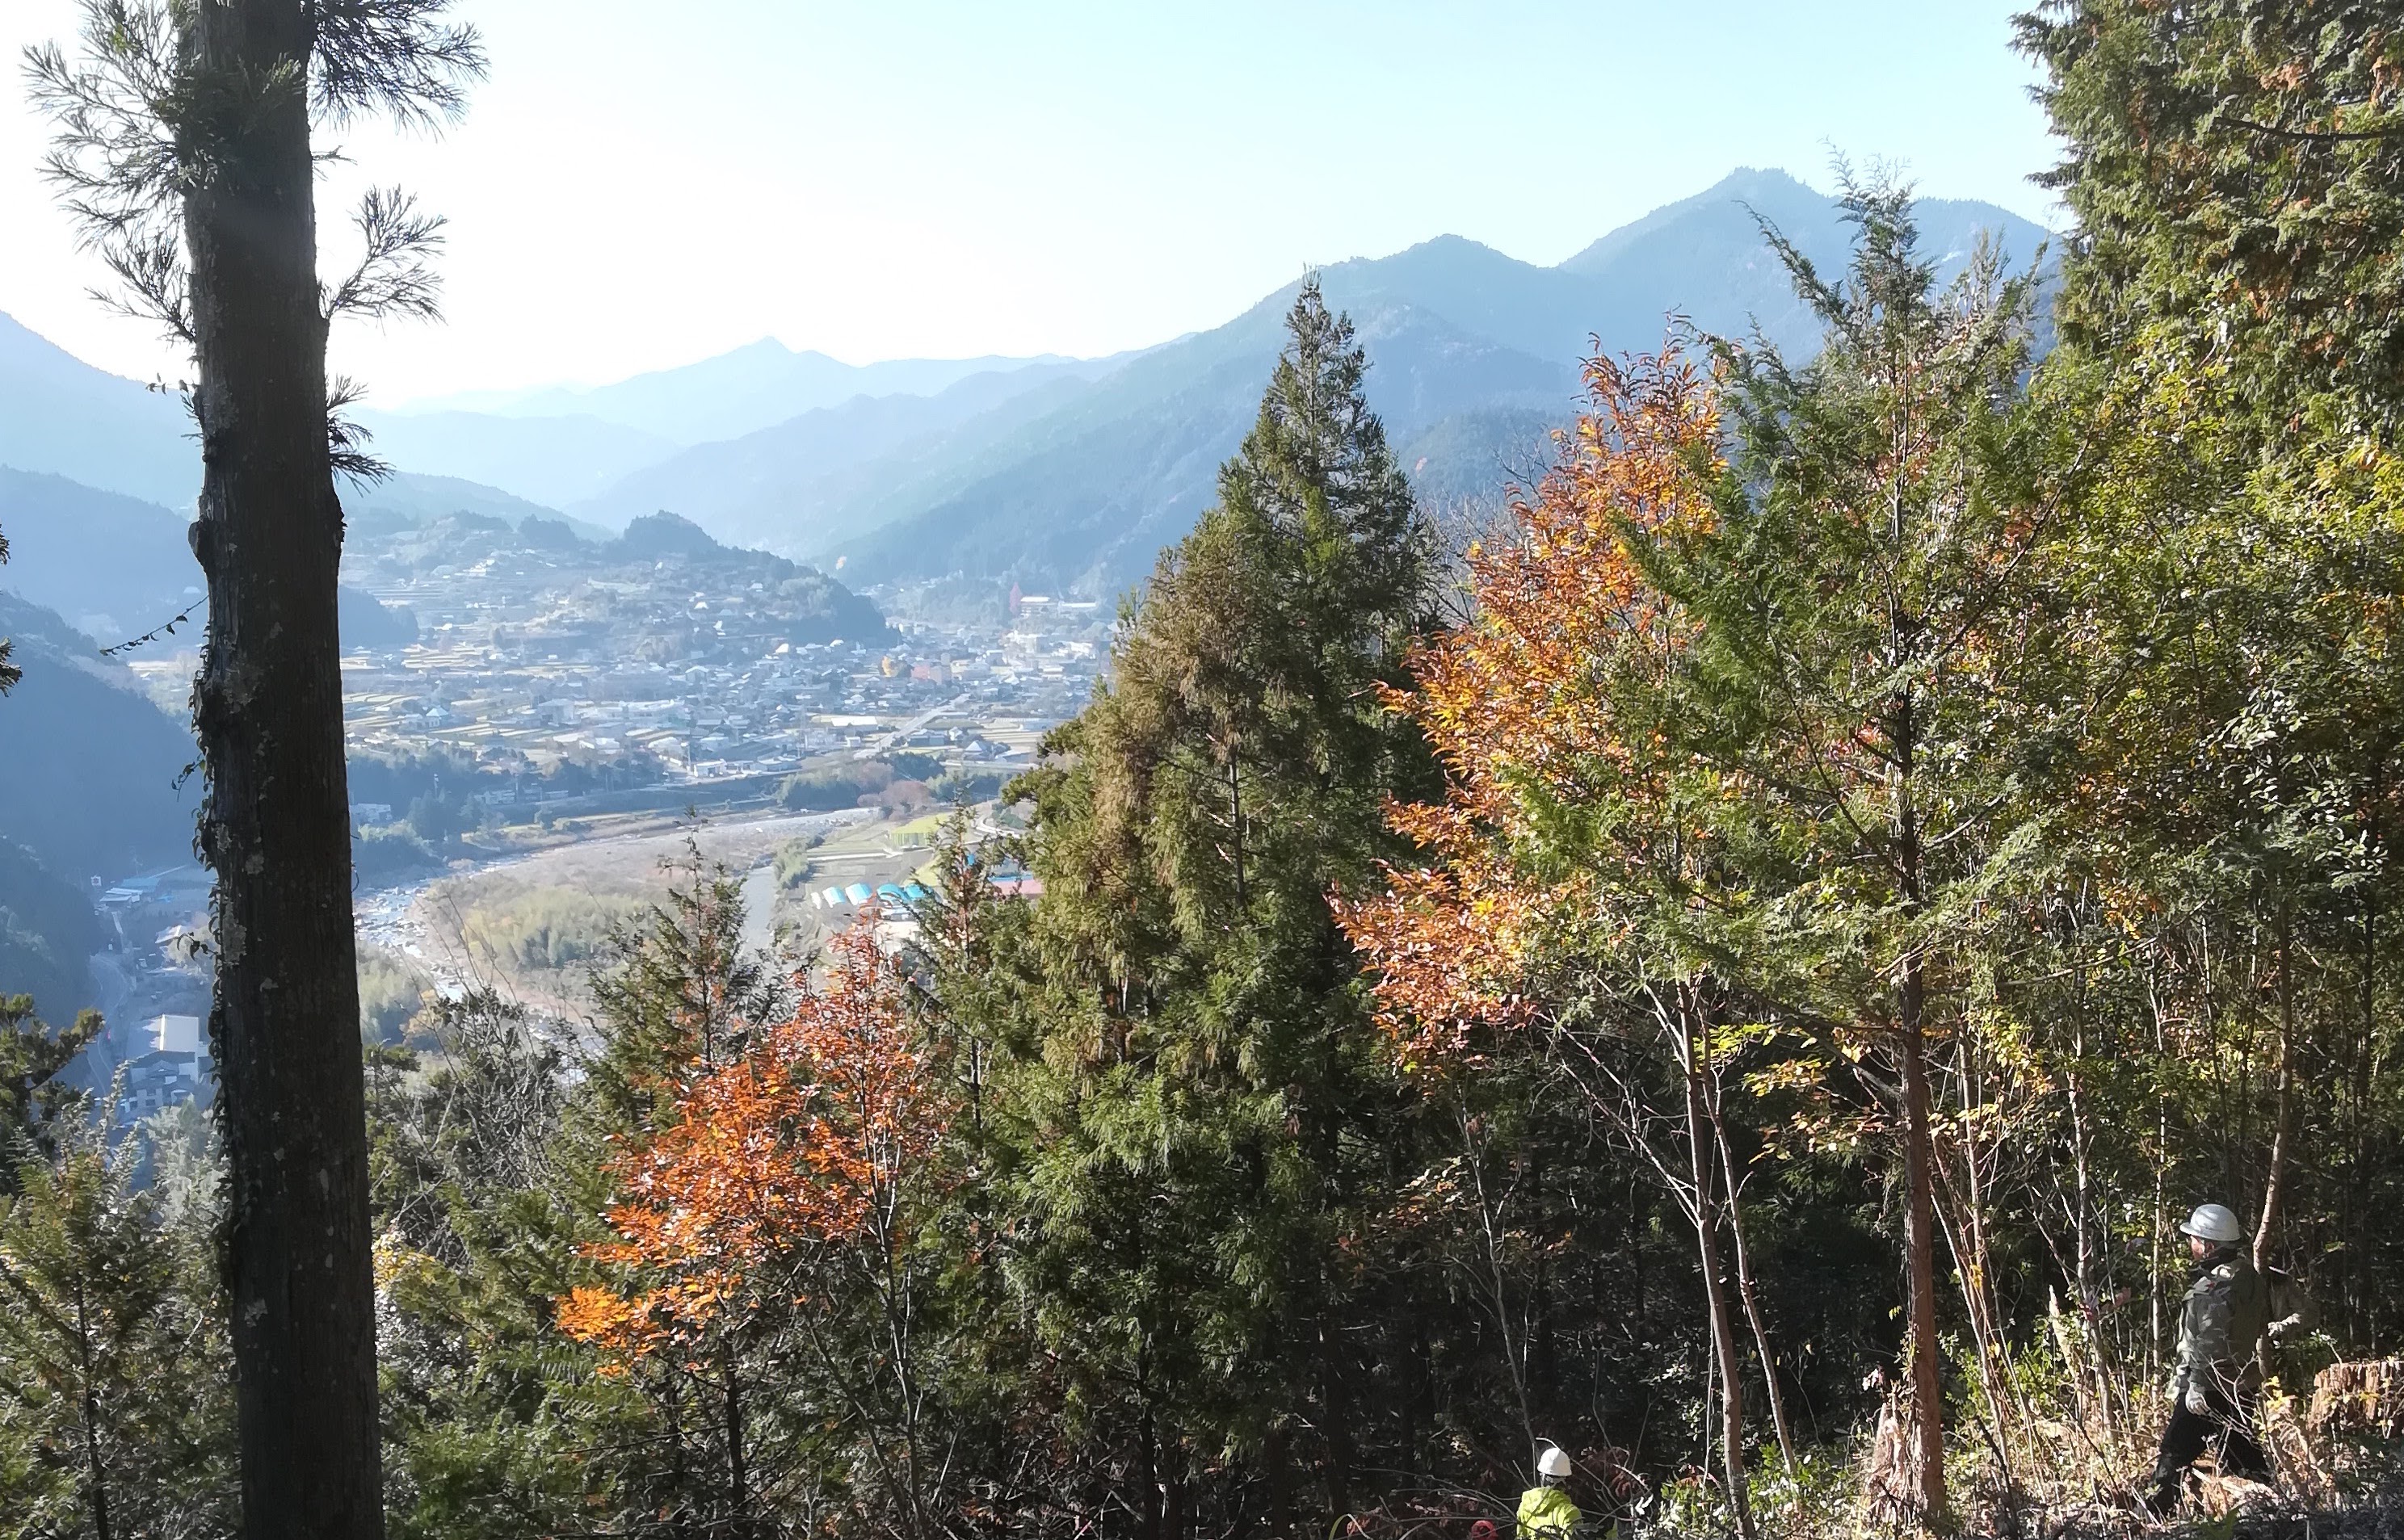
x,y
187,148
1856,600
1573,863
1197,1083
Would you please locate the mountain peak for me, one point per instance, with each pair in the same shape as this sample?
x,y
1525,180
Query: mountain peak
x,y
1779,195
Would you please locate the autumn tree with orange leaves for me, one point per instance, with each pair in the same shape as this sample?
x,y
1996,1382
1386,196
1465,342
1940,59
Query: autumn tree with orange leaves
x,y
1564,897
1727,750
769,1222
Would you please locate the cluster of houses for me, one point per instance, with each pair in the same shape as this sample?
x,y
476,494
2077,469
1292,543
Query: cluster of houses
x,y
174,1071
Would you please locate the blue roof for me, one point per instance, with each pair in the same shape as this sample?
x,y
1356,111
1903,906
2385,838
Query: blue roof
x,y
859,893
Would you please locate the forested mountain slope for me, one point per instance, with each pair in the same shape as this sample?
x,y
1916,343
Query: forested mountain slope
x,y
1083,499
816,480
116,566
90,783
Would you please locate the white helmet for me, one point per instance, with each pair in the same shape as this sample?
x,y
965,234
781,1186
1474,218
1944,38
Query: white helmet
x,y
1553,1462
2212,1223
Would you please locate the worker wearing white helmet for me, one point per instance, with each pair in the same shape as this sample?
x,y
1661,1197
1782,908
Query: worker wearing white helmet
x,y
1546,1511
2220,1327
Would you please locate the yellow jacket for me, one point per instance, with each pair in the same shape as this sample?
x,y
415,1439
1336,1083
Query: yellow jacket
x,y
1546,1513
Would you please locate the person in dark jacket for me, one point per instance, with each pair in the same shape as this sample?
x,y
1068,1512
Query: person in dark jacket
x,y
2221,1323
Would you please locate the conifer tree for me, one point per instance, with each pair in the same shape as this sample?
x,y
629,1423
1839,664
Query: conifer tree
x,y
114,1414
1746,748
1193,1093
31,1097
1858,668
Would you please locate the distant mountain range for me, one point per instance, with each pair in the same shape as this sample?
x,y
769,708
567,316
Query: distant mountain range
x,y
1051,473
753,387
1471,355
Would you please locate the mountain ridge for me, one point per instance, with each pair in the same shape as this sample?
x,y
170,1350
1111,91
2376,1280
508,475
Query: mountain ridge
x,y
727,395
1075,473
1619,296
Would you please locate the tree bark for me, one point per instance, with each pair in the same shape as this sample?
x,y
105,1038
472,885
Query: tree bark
x,y
1336,1401
268,708
95,1468
1920,1251
1919,1144
738,1479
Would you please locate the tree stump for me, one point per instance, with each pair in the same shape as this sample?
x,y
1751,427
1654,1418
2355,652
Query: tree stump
x,y
1890,1486
2365,1397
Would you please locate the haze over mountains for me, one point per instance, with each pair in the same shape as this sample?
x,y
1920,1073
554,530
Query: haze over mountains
x,y
1059,475
1053,473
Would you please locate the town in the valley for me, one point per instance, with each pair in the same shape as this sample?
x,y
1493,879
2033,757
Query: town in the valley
x,y
543,719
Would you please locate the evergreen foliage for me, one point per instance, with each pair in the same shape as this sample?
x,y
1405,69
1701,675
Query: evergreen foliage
x,y
116,1415
1186,1129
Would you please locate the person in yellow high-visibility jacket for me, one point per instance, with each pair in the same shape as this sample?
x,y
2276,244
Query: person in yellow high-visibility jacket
x,y
1546,1511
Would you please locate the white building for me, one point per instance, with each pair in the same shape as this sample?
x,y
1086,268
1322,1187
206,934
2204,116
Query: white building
x,y
176,1034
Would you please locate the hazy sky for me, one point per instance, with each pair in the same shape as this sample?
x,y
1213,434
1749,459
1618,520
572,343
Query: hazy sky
x,y
641,185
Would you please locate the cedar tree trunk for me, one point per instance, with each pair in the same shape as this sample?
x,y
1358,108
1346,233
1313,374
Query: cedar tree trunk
x,y
268,706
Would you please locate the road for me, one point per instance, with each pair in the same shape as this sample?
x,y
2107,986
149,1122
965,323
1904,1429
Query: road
x,y
885,744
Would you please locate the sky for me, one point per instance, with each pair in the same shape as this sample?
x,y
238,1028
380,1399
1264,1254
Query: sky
x,y
637,185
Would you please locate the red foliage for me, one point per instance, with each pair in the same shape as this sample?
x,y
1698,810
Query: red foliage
x,y
801,1144
1517,698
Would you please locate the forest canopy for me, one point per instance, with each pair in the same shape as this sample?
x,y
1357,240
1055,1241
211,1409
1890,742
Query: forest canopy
x,y
1777,988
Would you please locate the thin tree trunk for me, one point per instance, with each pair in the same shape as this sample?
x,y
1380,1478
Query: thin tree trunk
x,y
1513,1350
1333,1396
1708,1253
1746,1293
1274,1477
2361,1319
1918,1145
96,1468
2161,1163
1147,1476
737,1478
2274,1185
268,707
1919,1249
